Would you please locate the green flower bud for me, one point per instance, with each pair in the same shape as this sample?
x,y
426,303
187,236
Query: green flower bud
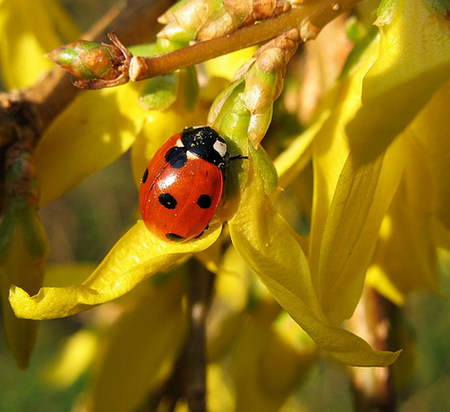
x,y
89,60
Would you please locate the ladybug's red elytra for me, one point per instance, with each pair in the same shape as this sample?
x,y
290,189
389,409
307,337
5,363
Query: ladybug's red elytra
x,y
183,184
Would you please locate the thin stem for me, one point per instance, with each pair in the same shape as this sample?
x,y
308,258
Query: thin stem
x,y
311,17
131,20
199,292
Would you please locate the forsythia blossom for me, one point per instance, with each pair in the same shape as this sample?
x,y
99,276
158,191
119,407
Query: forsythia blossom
x,y
379,150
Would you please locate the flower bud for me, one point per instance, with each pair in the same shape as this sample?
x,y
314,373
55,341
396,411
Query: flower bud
x,y
89,60
201,20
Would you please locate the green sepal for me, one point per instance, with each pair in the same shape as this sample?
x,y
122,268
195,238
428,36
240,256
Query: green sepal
x,y
266,169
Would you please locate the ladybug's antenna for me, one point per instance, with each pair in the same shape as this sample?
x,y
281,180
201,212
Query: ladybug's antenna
x,y
238,157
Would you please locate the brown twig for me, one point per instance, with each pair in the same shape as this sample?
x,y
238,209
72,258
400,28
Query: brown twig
x,y
310,17
199,294
188,378
132,20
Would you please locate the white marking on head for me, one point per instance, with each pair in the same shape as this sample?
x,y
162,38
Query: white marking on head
x,y
220,147
191,156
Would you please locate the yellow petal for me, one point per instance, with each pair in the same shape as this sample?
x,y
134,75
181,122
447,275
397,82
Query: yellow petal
x,y
226,315
73,360
66,274
330,147
30,29
136,256
23,255
406,254
362,197
287,357
295,157
350,199
270,247
141,346
226,66
414,60
92,132
405,258
20,333
220,392
265,367
431,131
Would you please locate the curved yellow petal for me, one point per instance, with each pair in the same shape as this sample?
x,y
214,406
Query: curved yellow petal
x,y
413,61
92,132
405,258
270,247
330,147
350,199
431,131
136,256
362,197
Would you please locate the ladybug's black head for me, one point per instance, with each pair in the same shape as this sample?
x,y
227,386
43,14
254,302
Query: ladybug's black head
x,y
207,144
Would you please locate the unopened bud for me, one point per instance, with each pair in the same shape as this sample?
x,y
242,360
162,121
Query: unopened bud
x,y
89,60
96,65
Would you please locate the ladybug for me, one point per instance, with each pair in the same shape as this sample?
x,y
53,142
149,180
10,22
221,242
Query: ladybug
x,y
182,185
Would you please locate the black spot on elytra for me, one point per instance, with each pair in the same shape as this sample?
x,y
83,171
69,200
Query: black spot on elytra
x,y
204,201
167,200
144,176
174,237
176,157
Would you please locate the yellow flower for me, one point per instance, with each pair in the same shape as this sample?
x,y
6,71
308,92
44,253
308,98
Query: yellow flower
x,y
364,174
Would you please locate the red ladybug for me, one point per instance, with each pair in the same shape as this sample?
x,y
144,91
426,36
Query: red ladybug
x,y
182,185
